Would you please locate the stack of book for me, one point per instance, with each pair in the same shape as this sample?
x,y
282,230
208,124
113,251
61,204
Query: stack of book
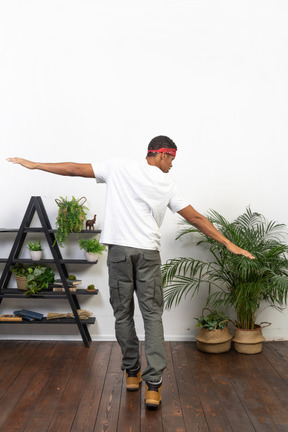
x,y
28,315
72,284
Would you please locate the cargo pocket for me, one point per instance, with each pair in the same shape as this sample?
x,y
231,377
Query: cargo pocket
x,y
116,266
115,298
158,293
152,256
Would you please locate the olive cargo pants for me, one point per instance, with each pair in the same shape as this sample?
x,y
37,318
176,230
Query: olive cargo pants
x,y
133,269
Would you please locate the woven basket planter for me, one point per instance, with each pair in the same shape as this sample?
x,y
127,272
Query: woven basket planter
x,y
249,341
21,282
213,341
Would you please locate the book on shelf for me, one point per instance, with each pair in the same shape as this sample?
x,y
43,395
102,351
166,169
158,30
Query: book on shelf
x,y
10,317
28,315
59,282
62,289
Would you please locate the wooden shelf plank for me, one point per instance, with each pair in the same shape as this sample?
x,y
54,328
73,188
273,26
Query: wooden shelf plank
x,y
40,229
51,261
90,320
15,293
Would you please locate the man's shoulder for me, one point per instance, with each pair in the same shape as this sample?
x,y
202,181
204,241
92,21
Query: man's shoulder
x,y
116,162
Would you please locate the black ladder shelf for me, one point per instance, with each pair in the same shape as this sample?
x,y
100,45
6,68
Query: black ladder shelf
x,y
36,205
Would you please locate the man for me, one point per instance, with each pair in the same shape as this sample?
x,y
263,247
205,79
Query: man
x,y
136,200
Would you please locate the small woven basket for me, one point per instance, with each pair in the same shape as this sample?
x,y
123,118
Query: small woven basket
x,y
213,341
21,282
217,348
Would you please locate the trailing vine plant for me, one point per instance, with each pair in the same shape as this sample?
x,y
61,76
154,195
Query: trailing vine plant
x,y
71,216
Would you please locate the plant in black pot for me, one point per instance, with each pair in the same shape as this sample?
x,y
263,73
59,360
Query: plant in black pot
x,y
247,286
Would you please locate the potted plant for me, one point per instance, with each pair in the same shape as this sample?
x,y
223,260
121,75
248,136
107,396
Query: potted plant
x,y
20,272
213,335
32,278
70,218
38,278
35,249
92,248
247,286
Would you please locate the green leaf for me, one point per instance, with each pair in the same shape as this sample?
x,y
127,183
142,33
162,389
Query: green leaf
x,y
233,280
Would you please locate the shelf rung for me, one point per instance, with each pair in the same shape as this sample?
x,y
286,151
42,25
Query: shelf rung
x,y
52,321
15,293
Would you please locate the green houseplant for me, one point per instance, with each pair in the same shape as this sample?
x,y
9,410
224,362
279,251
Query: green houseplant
x,y
213,335
20,272
36,277
247,286
34,245
214,320
70,218
92,247
35,249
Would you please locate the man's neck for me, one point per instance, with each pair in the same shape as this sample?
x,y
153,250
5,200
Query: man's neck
x,y
152,161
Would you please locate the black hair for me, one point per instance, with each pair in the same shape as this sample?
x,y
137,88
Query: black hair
x,y
160,142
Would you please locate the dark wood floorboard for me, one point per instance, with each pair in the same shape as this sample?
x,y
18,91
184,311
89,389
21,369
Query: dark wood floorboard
x,y
65,387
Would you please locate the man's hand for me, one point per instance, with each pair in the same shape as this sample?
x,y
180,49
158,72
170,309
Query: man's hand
x,y
205,226
238,251
24,162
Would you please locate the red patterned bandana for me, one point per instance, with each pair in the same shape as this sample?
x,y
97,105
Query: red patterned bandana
x,y
170,151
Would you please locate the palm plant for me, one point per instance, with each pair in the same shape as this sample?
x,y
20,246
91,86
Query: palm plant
x,y
248,286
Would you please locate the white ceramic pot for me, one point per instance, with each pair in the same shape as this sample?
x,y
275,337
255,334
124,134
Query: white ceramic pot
x,y
36,255
91,257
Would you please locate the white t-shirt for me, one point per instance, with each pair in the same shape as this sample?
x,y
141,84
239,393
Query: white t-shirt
x,y
136,200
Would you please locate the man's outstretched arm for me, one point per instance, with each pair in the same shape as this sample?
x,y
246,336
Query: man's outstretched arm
x,y
206,227
61,168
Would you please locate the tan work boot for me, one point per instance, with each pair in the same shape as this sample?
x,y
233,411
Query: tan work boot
x,y
153,394
133,379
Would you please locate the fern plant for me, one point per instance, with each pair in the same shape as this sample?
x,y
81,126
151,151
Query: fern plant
x,y
70,218
248,286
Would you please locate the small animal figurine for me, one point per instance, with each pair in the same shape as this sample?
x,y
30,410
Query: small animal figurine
x,y
90,223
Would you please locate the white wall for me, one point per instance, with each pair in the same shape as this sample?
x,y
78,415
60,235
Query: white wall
x,y
85,80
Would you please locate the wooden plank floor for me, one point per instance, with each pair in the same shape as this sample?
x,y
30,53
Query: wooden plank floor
x,y
63,387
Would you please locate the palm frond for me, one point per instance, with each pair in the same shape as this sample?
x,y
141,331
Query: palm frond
x,y
237,281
